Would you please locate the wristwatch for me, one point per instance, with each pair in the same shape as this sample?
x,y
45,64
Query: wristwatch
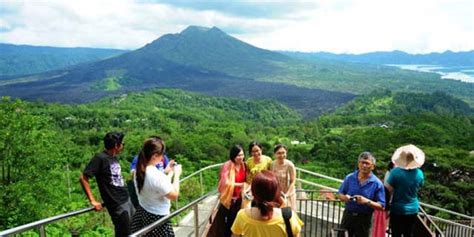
x,y
368,203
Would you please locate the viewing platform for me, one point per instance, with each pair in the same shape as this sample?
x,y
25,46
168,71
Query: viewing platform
x,y
317,206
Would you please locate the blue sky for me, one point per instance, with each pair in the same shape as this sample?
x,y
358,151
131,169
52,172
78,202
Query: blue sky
x,y
340,26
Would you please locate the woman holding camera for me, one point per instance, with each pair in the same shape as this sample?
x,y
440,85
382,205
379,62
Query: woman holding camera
x,y
154,189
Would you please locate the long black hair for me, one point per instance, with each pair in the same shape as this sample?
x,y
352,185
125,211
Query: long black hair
x,y
234,152
154,145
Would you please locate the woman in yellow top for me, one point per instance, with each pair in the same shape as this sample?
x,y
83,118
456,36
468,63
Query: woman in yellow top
x,y
285,172
265,218
258,162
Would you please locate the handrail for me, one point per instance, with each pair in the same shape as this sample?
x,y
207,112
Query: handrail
x,y
150,227
437,229
319,175
40,223
316,185
451,222
446,210
199,171
43,222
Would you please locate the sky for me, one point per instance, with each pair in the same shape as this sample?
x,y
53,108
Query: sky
x,y
338,26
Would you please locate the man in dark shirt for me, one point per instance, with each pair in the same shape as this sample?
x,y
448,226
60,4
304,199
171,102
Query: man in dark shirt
x,y
362,192
106,169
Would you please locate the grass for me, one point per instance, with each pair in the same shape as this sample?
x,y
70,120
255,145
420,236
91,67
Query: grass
x,y
107,84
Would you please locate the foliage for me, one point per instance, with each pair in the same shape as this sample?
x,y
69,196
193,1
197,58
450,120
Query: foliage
x,y
44,147
382,121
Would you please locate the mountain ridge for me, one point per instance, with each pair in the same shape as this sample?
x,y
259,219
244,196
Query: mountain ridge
x,y
209,61
213,49
157,65
462,58
28,59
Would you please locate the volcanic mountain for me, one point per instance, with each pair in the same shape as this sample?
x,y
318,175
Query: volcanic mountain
x,y
198,59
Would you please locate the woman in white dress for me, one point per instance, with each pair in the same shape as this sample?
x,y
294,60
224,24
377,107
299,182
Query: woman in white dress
x,y
285,172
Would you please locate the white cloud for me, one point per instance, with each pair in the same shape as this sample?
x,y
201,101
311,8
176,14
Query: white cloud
x,y
328,25
413,26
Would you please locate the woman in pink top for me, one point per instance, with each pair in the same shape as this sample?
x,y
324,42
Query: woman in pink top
x,y
231,182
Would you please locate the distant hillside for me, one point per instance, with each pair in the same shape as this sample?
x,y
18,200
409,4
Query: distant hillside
x,y
26,59
332,72
209,61
404,103
157,65
447,58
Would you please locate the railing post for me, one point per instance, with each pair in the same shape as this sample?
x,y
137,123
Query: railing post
x,y
298,184
196,220
201,182
41,231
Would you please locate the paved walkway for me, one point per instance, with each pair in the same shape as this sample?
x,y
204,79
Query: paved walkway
x,y
186,225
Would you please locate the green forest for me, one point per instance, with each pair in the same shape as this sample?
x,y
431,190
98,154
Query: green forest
x,y
44,147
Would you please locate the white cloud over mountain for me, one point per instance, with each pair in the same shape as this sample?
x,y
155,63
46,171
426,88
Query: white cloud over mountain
x,y
323,25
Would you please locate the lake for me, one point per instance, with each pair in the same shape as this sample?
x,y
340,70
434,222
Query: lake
x,y
462,73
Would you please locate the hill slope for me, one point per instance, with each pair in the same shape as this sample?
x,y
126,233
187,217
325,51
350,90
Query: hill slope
x,y
26,59
155,65
396,57
212,49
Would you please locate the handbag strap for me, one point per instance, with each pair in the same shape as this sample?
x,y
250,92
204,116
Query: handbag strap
x,y
286,212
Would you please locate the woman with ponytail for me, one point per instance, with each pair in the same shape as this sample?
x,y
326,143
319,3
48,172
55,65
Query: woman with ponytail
x,y
265,218
154,189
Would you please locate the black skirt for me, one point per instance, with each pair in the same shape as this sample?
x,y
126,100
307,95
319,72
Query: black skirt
x,y
143,218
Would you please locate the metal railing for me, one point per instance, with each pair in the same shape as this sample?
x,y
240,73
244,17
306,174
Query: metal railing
x,y
319,214
431,224
454,229
40,225
448,227
463,227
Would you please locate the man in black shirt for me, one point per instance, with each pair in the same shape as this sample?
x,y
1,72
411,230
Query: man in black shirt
x,y
106,169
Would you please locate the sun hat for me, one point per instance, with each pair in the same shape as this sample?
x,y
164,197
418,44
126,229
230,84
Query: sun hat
x,y
400,157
